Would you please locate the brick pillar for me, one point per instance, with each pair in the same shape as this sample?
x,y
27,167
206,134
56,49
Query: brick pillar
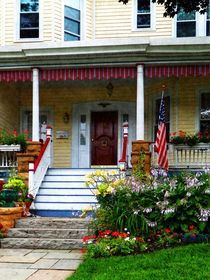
x,y
32,153
138,147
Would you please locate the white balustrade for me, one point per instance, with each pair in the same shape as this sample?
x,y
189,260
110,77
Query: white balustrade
x,y
38,169
8,155
184,156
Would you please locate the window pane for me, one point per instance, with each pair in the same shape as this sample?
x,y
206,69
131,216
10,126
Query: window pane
x,y
72,26
70,37
29,33
208,12
205,112
185,16
186,29
72,13
73,3
208,28
29,20
143,21
29,5
143,6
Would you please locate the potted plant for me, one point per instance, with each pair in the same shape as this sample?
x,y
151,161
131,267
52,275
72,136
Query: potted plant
x,y
13,191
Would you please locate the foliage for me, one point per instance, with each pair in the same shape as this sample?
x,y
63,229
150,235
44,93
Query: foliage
x,y
172,7
182,137
17,182
8,138
172,202
28,198
184,262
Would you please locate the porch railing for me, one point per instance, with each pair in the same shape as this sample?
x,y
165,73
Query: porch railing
x,y
184,156
38,169
8,157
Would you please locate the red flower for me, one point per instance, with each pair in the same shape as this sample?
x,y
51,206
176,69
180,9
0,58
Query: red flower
x,y
175,233
174,133
94,236
138,238
115,233
169,134
86,238
121,234
167,230
83,251
171,236
191,227
1,226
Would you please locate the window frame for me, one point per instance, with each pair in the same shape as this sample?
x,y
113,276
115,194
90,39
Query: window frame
x,y
200,28
199,92
82,21
152,17
17,35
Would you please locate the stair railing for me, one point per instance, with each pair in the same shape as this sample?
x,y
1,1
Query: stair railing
x,y
38,169
122,161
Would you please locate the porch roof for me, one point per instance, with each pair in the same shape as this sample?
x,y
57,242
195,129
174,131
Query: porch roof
x,y
107,73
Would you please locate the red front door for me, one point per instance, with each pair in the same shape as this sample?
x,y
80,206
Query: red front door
x,y
104,138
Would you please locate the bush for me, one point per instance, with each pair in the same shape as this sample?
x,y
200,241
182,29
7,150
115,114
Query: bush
x,y
173,202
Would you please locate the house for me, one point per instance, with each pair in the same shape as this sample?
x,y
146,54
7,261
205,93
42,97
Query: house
x,y
85,67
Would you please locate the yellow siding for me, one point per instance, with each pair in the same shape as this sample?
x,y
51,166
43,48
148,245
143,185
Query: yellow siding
x,y
10,22
89,19
9,107
61,101
114,20
58,20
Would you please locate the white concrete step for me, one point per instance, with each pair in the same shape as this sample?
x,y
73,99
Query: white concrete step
x,y
65,198
65,185
75,171
77,206
65,178
65,191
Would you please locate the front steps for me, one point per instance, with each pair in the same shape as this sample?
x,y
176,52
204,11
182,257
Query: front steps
x,y
47,233
63,193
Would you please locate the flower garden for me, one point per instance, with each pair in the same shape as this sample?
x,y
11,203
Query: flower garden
x,y
143,214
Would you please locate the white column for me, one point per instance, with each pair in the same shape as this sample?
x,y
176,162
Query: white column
x,y
140,103
35,109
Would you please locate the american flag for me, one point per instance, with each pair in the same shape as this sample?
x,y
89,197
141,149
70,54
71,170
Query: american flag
x,y
160,143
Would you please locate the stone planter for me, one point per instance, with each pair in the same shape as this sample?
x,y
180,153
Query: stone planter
x,y
138,147
8,216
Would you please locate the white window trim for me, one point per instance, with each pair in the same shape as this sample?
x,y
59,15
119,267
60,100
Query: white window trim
x,y
82,20
153,100
17,34
199,91
152,19
200,26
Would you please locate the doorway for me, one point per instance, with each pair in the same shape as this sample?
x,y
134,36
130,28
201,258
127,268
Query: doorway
x,y
104,135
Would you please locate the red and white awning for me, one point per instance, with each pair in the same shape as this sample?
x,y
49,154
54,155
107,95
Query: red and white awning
x,y
107,73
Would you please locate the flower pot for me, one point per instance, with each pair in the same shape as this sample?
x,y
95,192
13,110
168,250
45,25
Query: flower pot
x,y
9,195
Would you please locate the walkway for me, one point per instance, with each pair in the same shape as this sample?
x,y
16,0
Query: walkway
x,y
39,264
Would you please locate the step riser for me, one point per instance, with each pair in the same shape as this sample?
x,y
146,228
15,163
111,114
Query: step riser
x,y
47,234
63,206
54,244
59,185
55,223
65,198
66,178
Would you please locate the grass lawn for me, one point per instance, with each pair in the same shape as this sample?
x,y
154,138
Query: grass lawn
x,y
182,263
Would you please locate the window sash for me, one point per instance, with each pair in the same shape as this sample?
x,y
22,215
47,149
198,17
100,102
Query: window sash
x,y
143,13
72,34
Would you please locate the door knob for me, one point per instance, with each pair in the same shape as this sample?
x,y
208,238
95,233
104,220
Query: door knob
x,y
92,139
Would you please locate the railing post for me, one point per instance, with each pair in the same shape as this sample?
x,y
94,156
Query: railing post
x,y
31,176
122,161
49,135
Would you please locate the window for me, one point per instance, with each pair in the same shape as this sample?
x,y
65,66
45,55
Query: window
x,y
143,14
167,116
72,18
29,19
205,112
208,21
186,24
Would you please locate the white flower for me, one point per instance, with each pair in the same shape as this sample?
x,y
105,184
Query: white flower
x,y
127,238
125,229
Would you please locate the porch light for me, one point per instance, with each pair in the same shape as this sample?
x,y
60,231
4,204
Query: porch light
x,y
110,88
66,118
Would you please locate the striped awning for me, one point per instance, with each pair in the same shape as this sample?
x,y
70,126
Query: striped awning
x,y
101,73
